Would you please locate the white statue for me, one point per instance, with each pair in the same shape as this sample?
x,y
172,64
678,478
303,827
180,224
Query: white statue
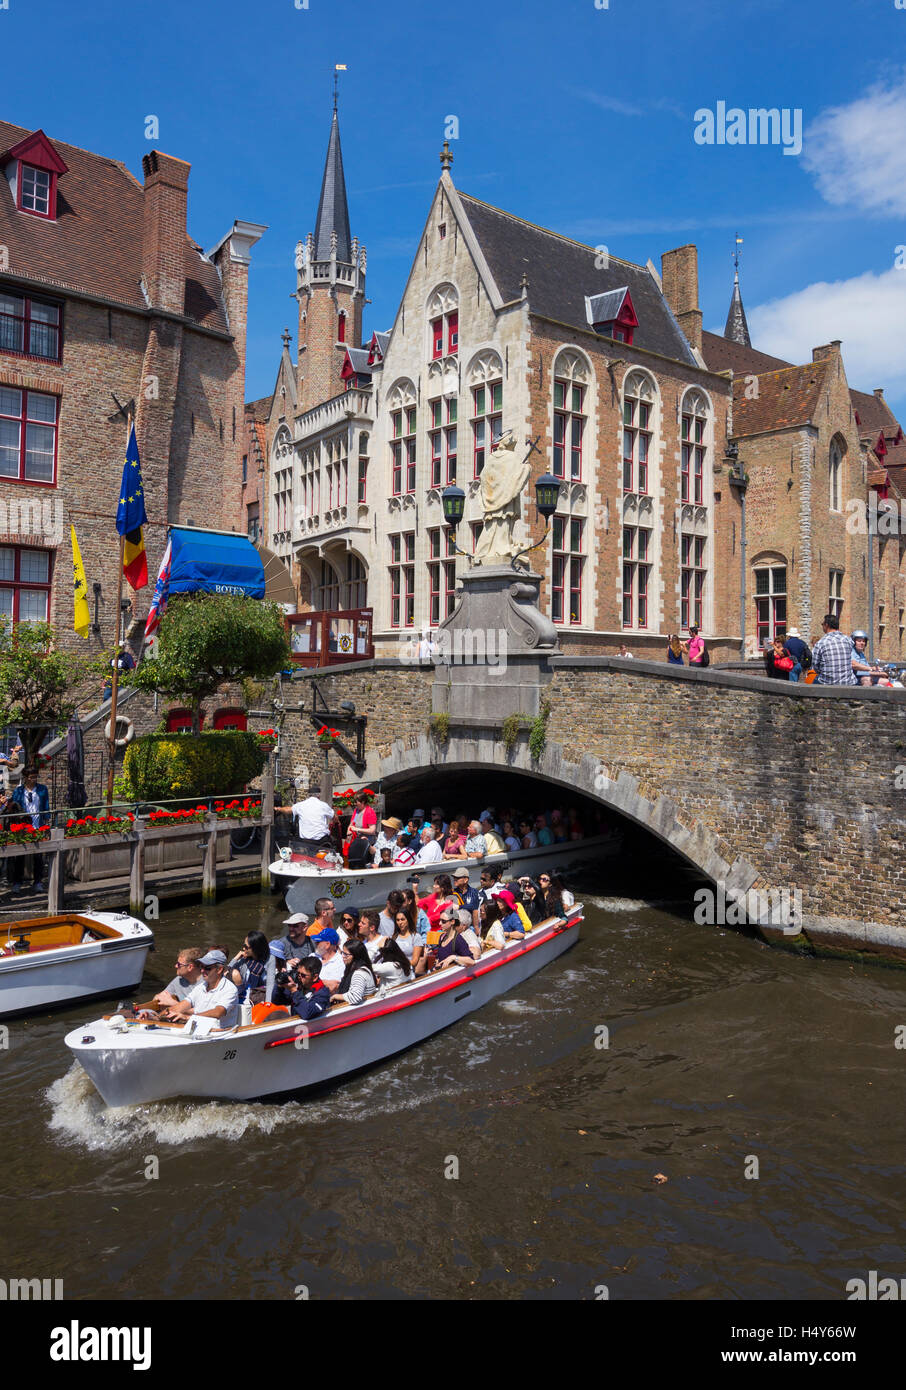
x,y
502,481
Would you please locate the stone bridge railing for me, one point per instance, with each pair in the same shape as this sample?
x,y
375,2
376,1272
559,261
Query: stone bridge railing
x,y
755,782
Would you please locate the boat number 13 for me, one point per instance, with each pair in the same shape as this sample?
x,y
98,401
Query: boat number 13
x,y
228,1056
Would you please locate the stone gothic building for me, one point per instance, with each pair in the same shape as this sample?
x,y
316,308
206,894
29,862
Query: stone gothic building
x,y
700,481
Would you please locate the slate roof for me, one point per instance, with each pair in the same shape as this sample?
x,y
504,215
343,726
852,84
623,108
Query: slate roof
x,y
333,209
785,398
603,308
358,358
560,274
95,245
736,327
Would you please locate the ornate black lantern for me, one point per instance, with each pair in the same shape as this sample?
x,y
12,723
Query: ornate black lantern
x,y
547,490
454,504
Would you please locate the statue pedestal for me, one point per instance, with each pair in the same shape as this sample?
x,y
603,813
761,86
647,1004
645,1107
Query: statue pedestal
x,y
493,648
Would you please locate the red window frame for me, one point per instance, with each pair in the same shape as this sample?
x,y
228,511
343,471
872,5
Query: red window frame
x,y
403,450
636,444
442,442
437,338
567,566
25,318
770,604
441,567
692,580
402,579
452,334
24,422
483,419
569,428
636,576
341,331
51,213
693,453
17,584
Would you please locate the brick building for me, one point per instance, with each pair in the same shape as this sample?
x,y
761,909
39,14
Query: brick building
x,y
811,448
103,294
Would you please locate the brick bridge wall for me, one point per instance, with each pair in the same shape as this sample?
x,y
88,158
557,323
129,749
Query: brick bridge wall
x,y
756,782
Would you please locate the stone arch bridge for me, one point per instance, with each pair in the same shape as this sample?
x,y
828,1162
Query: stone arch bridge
x,y
756,783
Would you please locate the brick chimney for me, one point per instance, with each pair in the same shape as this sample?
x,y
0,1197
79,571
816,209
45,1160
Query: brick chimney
x,y
164,231
232,256
679,272
821,354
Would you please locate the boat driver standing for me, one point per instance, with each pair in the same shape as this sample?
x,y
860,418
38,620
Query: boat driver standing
x,y
315,824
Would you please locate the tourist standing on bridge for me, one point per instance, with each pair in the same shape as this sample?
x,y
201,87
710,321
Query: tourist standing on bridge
x,y
698,655
832,656
675,650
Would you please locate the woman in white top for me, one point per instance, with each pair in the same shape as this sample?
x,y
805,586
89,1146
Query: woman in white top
x,y
410,942
557,886
358,982
392,966
492,935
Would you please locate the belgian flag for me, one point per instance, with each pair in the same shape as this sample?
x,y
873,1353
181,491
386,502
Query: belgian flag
x,y
130,517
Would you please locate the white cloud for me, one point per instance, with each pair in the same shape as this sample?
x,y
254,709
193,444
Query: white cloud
x,y
867,313
857,153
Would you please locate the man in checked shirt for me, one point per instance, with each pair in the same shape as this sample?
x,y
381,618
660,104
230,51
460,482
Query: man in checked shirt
x,y
832,655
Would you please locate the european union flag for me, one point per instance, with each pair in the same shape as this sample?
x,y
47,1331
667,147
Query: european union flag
x,y
130,517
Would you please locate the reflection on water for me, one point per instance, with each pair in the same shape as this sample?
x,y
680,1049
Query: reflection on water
x,y
720,1049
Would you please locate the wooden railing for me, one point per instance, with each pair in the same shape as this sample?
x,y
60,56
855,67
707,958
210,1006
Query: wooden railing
x,y
58,843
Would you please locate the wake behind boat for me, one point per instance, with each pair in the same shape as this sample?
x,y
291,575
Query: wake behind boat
x,y
51,962
135,1062
306,877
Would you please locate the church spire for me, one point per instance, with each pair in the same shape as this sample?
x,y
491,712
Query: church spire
x,y
333,210
737,330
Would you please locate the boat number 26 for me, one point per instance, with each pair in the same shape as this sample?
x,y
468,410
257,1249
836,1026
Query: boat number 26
x,y
228,1056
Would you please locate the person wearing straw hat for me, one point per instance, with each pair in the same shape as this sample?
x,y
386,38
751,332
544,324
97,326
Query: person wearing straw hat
x,y
387,837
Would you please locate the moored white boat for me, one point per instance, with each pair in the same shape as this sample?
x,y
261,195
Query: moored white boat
x,y
132,1063
52,962
305,878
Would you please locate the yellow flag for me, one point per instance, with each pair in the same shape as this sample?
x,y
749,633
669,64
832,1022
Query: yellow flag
x,y
82,623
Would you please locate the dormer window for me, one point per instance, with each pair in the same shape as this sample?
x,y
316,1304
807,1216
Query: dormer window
x,y
612,315
32,168
35,192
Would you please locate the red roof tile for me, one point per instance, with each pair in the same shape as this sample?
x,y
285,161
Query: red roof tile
x,y
95,245
785,399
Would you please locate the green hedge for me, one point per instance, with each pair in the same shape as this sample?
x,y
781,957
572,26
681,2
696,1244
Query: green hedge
x,y
165,767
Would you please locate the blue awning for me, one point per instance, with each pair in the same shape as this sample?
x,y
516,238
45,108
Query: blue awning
x,y
214,562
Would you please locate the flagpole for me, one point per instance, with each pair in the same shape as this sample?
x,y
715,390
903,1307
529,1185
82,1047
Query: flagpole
x,y
115,683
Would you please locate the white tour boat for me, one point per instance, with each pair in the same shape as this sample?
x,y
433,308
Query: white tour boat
x,y
133,1062
306,877
52,962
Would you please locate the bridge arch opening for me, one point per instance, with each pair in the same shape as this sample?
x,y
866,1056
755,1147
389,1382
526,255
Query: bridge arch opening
x,y
641,864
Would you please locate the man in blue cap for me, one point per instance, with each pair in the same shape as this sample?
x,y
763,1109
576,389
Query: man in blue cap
x,y
327,946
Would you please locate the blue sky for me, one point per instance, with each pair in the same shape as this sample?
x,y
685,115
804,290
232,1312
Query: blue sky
x,y
578,118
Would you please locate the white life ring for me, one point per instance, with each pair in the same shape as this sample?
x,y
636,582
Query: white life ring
x,y
122,722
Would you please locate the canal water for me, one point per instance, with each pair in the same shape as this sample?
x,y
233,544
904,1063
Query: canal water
x,y
578,1165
